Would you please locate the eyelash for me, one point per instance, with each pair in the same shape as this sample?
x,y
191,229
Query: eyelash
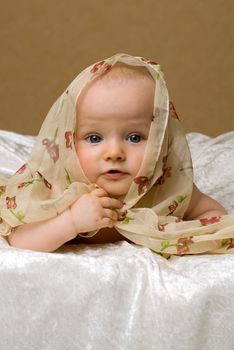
x,y
140,138
89,138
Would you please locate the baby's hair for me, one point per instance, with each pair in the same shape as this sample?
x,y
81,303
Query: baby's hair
x,y
121,73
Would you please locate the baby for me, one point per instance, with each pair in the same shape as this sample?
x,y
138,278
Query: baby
x,y
115,111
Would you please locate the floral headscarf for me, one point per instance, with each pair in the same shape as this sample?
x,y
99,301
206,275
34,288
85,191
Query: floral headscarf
x,y
155,204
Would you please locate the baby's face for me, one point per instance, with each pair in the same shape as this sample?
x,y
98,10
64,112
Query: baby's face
x,y
113,122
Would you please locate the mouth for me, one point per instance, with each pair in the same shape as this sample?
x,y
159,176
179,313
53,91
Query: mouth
x,y
113,171
114,174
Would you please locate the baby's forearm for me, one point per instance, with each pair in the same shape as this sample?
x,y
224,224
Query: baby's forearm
x,y
45,236
211,213
202,206
210,208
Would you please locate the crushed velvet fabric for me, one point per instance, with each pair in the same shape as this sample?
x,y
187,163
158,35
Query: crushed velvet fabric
x,y
120,296
115,296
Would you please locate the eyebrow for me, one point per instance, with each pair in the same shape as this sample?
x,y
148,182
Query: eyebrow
x,y
131,124
132,120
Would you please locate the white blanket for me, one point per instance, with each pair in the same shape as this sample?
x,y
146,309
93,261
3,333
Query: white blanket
x,y
120,296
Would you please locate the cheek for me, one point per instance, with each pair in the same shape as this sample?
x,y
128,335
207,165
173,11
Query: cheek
x,y
140,159
136,159
83,157
87,160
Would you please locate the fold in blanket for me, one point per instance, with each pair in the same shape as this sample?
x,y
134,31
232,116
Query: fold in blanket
x,y
155,204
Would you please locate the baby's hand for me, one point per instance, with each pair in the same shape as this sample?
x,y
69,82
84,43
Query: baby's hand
x,y
95,210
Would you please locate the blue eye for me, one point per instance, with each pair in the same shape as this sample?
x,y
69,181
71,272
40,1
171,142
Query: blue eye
x,y
134,138
94,138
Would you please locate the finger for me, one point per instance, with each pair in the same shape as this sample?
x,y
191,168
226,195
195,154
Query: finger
x,y
106,222
110,214
111,203
99,192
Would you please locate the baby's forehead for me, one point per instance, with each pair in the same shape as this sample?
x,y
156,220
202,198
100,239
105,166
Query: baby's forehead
x,y
118,76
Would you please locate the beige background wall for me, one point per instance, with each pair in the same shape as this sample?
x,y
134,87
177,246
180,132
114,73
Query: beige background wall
x,y
45,43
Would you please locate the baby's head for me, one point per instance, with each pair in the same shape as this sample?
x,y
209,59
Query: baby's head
x,y
114,114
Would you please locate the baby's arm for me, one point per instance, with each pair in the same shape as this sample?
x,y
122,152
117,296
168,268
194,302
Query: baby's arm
x,y
203,206
45,235
90,212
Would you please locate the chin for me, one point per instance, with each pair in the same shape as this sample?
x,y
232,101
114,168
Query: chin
x,y
115,193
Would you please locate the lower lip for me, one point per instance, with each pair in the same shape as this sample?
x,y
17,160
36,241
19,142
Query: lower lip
x,y
114,176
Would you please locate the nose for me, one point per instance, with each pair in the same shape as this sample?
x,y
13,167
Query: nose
x,y
114,151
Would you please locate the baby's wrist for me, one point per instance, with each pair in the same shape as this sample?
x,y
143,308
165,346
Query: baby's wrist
x,y
77,230
71,228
